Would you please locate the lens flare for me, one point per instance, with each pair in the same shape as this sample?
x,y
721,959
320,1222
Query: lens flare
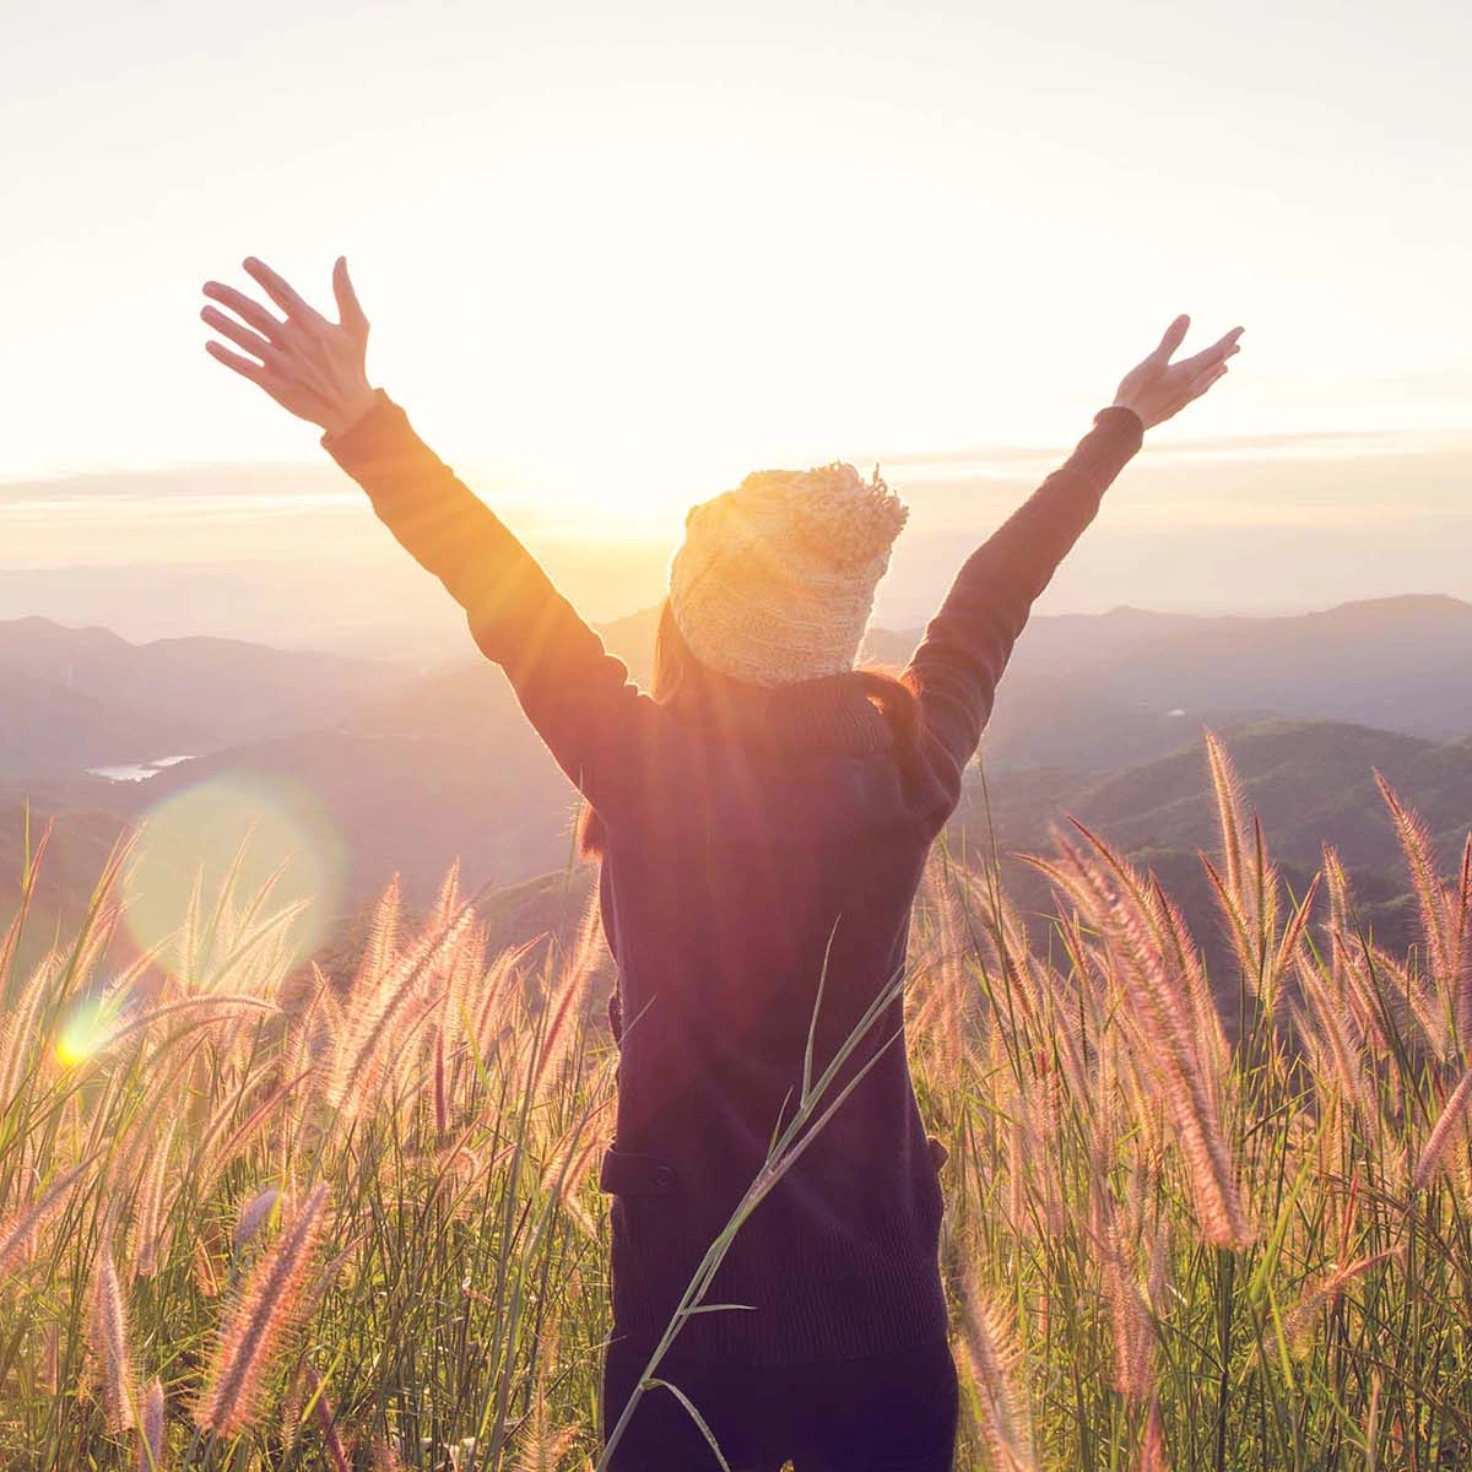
x,y
86,1029
266,828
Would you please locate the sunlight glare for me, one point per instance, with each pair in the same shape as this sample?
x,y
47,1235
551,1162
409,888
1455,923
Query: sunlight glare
x,y
199,832
86,1029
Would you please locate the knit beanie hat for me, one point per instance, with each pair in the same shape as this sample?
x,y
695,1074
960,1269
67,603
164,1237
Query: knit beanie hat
x,y
775,580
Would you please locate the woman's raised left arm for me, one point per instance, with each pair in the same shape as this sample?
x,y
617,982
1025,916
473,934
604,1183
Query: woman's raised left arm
x,y
968,643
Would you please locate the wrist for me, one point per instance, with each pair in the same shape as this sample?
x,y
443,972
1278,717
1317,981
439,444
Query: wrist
x,y
1129,409
350,411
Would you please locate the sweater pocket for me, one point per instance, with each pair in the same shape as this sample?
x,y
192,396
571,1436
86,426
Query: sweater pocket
x,y
631,1173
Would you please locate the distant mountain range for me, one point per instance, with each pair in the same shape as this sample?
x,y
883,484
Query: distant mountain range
x,y
74,698
83,696
1099,716
1403,664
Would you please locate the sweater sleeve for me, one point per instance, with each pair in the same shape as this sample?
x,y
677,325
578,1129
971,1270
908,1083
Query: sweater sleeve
x,y
967,644
577,695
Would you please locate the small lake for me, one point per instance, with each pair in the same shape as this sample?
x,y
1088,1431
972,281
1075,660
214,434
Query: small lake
x,y
137,771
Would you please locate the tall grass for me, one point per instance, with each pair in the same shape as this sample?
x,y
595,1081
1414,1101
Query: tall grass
x,y
253,1216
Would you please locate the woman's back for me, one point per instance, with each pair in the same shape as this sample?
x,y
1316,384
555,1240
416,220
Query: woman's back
x,y
755,867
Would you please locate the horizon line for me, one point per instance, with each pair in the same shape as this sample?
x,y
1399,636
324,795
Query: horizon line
x,y
1257,444
644,610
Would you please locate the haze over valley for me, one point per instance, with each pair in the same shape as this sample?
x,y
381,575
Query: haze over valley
x,y
364,769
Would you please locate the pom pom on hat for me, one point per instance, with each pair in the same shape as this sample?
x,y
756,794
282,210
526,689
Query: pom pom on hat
x,y
854,520
775,580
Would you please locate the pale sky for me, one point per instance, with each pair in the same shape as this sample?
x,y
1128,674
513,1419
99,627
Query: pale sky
x,y
708,237
617,255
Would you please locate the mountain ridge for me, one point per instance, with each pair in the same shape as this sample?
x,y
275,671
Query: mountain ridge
x,y
136,701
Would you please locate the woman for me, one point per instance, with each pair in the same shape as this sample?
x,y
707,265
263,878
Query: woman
x,y
762,820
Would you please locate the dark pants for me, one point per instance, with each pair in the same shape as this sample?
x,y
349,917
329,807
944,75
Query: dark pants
x,y
891,1413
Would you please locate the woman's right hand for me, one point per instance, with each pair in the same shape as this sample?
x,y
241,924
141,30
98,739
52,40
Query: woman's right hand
x,y
313,367
1158,389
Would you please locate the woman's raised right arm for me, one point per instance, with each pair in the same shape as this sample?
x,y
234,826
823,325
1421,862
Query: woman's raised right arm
x,y
576,694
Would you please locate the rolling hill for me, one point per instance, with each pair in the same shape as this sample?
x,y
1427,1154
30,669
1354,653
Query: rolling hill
x,y
1312,783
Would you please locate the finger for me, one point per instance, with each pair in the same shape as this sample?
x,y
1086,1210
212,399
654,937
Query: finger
x,y
277,288
272,328
1175,335
243,337
350,311
243,366
1225,345
1218,352
1190,367
1204,381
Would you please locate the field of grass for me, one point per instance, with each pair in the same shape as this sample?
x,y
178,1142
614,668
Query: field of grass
x,y
252,1217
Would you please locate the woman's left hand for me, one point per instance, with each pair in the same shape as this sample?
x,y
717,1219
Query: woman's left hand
x,y
1158,389
311,366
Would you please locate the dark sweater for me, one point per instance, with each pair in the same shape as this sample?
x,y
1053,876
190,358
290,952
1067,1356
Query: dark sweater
x,y
740,849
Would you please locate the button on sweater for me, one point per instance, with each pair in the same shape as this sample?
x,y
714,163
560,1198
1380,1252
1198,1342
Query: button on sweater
x,y
749,855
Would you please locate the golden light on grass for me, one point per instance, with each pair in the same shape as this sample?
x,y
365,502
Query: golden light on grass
x,y
228,856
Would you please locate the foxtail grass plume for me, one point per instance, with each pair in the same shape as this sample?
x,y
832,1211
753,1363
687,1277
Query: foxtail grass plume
x,y
541,1446
151,1429
19,1032
1461,943
253,1216
1153,1456
258,1321
1115,900
30,872
1446,914
566,1173
572,993
148,1228
1301,1319
991,1357
16,1233
1134,1327
1415,844
110,1345
1452,1119
360,1057
1247,891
